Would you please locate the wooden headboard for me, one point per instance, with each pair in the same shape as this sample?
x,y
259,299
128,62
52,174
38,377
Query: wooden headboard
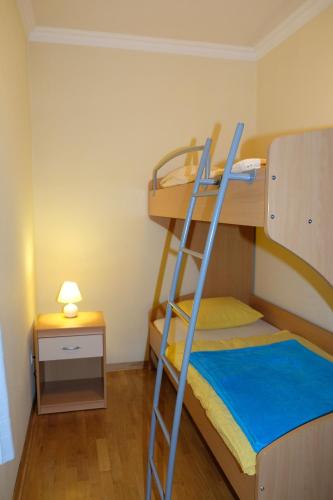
x,y
299,203
286,320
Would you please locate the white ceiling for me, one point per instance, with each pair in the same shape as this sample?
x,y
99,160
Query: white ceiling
x,y
234,22
224,29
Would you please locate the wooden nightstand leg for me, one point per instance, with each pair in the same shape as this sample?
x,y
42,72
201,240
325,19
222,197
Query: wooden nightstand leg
x,y
104,374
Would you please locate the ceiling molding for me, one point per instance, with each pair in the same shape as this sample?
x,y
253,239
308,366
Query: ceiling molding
x,y
140,43
45,34
306,12
27,15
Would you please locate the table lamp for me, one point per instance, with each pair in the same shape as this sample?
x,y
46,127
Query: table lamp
x,y
68,295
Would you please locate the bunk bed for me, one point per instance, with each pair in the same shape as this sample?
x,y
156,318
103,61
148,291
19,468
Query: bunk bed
x,y
292,200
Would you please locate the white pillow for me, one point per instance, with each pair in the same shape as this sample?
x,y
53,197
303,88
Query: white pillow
x,y
183,175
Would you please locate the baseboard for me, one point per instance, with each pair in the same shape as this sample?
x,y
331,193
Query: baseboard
x,y
133,365
22,470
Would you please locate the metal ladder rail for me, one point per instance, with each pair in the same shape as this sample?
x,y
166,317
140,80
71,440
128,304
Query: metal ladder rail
x,y
161,363
195,308
192,320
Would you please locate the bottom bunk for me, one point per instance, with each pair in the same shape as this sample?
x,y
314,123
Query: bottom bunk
x,y
295,466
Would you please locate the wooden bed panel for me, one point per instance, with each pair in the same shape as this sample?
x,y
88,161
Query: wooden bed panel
x,y
298,466
286,320
285,458
230,270
299,197
244,203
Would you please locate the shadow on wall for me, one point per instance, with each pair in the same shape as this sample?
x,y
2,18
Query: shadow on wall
x,y
169,225
322,287
259,144
193,158
174,227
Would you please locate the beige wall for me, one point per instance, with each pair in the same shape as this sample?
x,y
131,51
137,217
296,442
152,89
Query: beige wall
x,y
295,83
16,250
101,119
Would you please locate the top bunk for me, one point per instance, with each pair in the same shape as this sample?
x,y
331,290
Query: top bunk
x,y
244,202
291,197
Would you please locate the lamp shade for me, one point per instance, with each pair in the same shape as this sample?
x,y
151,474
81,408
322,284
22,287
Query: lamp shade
x,y
69,293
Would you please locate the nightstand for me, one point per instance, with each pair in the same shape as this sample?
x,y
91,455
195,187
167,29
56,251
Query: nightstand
x,y
66,343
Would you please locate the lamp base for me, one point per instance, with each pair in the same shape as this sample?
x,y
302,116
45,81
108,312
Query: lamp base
x,y
70,310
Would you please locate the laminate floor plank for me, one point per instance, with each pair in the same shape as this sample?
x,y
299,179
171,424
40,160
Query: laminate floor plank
x,y
102,454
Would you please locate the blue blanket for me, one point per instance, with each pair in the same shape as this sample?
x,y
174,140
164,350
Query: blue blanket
x,y
269,389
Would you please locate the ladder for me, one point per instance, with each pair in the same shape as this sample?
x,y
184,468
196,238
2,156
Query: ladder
x,y
172,439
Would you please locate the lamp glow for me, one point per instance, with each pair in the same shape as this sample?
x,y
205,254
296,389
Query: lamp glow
x,y
68,295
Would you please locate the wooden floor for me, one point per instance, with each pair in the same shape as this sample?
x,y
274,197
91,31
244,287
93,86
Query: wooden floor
x,y
102,454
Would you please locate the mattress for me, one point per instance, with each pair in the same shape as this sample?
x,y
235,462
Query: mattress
x,y
178,330
258,333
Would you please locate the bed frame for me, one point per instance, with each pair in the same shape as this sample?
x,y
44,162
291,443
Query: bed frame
x,y
297,466
243,202
292,200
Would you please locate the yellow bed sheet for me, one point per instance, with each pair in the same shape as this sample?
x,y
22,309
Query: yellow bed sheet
x,y
215,408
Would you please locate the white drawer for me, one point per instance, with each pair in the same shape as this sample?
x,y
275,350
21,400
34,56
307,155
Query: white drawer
x,y
78,346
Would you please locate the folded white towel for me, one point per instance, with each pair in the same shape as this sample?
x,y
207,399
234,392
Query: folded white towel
x,y
248,164
6,438
186,174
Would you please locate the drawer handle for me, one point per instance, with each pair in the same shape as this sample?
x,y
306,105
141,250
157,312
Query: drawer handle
x,y
71,348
